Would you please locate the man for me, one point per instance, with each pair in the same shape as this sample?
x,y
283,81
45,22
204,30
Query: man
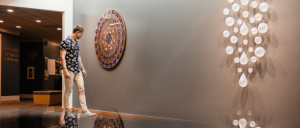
x,y
73,69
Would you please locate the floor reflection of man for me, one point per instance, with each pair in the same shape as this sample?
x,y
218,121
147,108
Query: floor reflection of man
x,y
69,119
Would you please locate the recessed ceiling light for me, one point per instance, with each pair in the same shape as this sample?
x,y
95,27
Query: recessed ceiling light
x,y
38,21
18,26
1,21
10,10
58,28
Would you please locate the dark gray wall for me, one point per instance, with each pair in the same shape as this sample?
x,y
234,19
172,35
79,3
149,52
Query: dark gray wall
x,y
175,64
10,70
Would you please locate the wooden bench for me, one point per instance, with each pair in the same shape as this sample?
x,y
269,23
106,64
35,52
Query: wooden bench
x,y
49,97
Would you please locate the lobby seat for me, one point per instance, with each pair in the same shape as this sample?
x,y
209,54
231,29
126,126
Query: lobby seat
x,y
49,97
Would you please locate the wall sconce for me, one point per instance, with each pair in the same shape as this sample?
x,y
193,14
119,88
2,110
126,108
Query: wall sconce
x,y
246,20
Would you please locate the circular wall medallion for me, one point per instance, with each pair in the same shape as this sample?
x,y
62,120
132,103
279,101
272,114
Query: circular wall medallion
x,y
110,38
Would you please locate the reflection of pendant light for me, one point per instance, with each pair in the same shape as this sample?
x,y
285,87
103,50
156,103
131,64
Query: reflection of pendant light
x,y
243,82
249,112
242,123
239,112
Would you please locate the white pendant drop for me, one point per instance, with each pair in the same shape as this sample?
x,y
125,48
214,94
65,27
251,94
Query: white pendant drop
x,y
244,29
243,81
244,59
244,2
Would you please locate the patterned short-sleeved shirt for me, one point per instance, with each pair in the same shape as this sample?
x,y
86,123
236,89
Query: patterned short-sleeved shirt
x,y
72,52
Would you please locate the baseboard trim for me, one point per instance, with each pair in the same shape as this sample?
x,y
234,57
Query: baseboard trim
x,y
5,98
9,101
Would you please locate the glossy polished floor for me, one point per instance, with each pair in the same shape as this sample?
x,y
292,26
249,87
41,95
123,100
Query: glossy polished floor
x,y
27,115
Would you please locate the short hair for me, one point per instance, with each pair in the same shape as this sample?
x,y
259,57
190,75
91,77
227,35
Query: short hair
x,y
78,28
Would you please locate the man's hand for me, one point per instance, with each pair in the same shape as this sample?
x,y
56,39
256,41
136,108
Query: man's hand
x,y
66,74
84,73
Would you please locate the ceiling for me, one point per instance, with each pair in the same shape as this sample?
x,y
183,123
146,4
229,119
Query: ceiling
x,y
26,18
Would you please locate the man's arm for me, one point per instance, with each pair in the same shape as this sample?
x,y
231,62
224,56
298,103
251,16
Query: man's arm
x,y
82,68
64,64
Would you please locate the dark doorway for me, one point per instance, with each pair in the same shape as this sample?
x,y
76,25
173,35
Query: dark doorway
x,y
31,55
